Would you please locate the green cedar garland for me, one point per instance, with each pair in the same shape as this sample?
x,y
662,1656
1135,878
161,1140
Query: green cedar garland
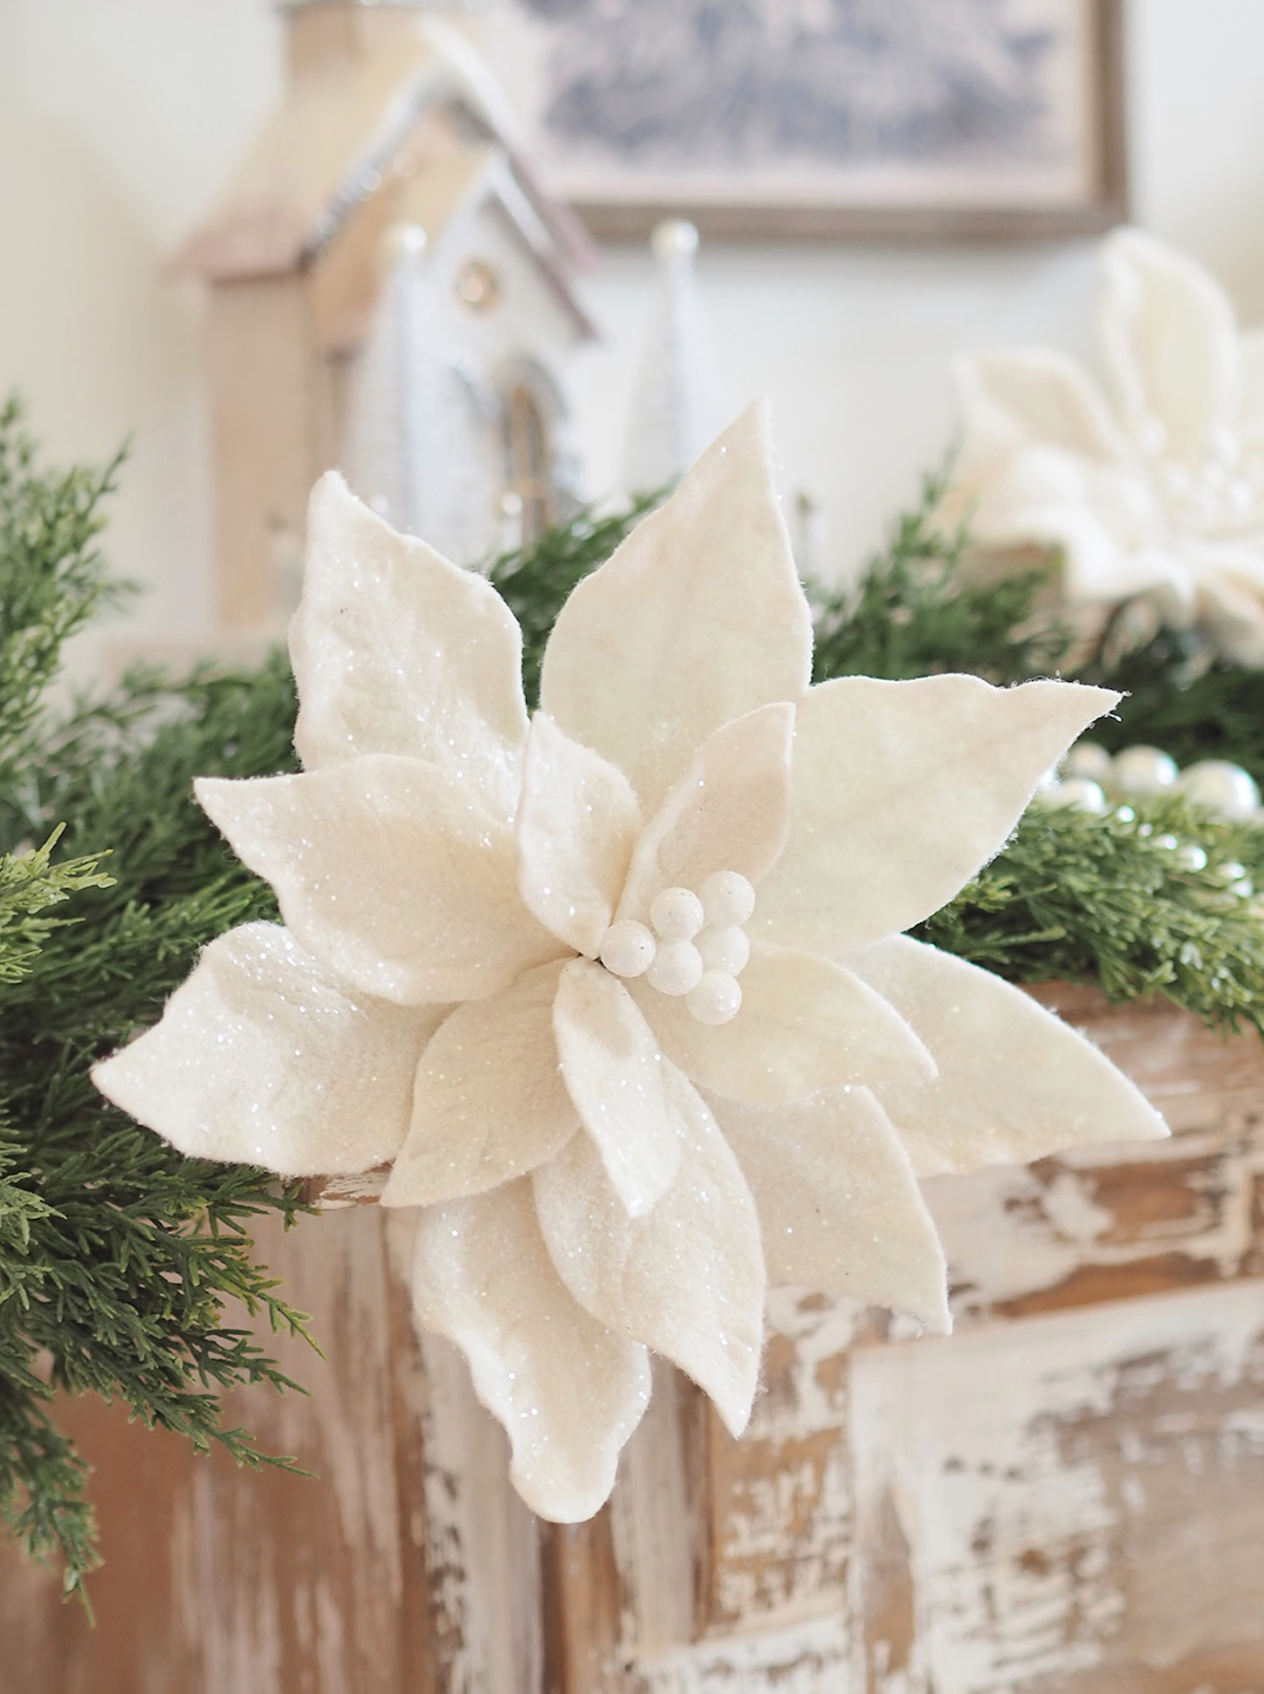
x,y
122,1264
120,1259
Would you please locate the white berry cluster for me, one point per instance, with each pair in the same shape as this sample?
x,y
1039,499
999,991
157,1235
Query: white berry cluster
x,y
694,945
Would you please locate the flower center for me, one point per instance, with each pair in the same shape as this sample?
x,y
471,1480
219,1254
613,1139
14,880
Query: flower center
x,y
694,945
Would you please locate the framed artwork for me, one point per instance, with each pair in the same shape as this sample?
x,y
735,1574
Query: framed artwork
x,y
807,118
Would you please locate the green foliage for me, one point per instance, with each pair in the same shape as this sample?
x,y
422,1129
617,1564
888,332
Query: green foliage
x,y
120,1261
913,614
1190,704
1110,900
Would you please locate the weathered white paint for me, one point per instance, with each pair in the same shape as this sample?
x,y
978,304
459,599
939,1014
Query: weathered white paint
x,y
810,1658
1013,1230
1008,1499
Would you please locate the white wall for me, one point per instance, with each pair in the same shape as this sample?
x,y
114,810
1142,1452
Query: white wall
x,y
118,121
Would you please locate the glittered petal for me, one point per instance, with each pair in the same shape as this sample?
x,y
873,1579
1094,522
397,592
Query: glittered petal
x,y
806,1023
397,651
615,1076
838,1202
688,1279
577,825
1170,346
729,812
401,883
262,1057
1014,1083
697,619
489,1102
902,790
567,1390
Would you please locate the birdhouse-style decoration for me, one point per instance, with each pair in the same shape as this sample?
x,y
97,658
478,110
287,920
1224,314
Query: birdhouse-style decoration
x,y
390,292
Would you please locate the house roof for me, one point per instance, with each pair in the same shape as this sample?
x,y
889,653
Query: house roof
x,y
433,196
324,152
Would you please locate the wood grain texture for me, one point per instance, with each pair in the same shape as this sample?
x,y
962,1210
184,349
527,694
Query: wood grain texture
x,y
220,1580
1067,1495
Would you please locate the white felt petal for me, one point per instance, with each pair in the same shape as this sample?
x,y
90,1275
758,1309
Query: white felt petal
x,y
805,1023
1013,398
397,651
1170,344
838,1202
688,1280
729,812
489,1102
697,619
615,1075
399,881
1251,400
1227,582
577,825
262,1057
567,1390
1015,1083
902,790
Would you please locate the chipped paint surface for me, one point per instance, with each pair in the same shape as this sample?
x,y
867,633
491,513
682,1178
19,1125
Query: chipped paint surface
x,y
809,1659
780,1501
1028,1500
1066,1498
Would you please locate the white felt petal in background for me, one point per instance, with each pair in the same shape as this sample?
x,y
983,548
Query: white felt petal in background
x,y
568,1392
577,823
1170,344
697,619
489,1102
262,1057
688,1279
1012,398
838,1202
397,651
902,790
615,1075
390,874
805,1023
1014,1083
729,812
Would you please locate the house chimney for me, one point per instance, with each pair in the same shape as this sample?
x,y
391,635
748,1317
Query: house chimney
x,y
326,33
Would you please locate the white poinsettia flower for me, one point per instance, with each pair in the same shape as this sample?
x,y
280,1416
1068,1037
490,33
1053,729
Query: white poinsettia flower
x,y
1153,485
621,990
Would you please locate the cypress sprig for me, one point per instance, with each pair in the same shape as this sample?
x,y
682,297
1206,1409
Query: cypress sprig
x,y
122,1263
1114,901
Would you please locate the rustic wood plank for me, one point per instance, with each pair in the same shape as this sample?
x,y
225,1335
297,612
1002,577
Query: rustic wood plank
x,y
1071,1496
219,1579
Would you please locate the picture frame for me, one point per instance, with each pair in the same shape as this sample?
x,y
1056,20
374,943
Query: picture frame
x,y
967,118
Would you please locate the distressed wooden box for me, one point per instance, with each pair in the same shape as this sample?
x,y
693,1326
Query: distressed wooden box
x,y
1065,1498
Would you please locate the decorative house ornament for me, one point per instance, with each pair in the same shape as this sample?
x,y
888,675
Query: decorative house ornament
x,y
674,411
333,342
1152,484
619,991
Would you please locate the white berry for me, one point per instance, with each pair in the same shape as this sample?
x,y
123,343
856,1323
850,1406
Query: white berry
x,y
627,948
1221,787
726,949
1088,759
1143,770
676,969
676,914
716,999
1079,793
727,898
